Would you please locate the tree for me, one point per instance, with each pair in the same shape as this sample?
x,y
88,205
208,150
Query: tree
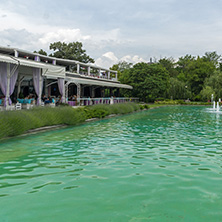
x,y
193,72
215,83
149,81
120,67
183,66
41,52
212,57
206,93
199,70
178,89
169,65
72,51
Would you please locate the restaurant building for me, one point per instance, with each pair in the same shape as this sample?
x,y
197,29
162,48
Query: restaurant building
x,y
24,73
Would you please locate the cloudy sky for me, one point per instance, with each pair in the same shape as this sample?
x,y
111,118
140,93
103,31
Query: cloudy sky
x,y
114,30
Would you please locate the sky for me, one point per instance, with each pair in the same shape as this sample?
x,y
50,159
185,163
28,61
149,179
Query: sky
x,y
115,30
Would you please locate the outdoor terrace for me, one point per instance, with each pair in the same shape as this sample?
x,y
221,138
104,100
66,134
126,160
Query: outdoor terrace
x,y
72,67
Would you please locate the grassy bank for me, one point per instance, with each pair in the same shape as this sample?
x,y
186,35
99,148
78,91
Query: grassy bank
x,y
181,102
13,123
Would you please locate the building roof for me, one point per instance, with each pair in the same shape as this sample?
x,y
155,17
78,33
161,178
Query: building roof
x,y
94,82
31,55
58,70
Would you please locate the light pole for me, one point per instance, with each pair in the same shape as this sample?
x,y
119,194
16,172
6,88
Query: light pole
x,y
212,98
185,93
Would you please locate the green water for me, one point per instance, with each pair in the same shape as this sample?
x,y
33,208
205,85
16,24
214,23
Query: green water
x,y
157,165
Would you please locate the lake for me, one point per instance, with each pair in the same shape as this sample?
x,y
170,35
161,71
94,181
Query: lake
x,y
157,165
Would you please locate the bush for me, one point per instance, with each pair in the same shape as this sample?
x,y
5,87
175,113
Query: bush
x,y
144,106
101,111
17,122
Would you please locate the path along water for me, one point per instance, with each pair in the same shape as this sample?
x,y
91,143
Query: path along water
x,y
157,165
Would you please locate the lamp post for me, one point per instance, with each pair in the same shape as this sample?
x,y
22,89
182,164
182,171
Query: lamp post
x,y
185,93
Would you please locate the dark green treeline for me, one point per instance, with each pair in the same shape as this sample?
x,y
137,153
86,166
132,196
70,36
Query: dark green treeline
x,y
196,78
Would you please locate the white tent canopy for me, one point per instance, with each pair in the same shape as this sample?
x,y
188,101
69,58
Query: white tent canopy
x,y
8,59
47,69
97,83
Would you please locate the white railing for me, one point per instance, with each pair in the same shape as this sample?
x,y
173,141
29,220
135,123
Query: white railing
x,y
79,102
106,100
96,76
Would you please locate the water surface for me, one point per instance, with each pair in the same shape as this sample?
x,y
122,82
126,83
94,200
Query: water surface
x,y
157,165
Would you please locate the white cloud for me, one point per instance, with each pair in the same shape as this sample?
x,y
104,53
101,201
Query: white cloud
x,y
63,35
132,59
19,39
108,59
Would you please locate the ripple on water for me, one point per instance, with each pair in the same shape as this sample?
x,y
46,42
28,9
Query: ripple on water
x,y
160,165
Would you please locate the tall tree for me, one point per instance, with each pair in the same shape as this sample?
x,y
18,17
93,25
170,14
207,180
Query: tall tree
x,y
215,83
169,65
193,72
121,67
212,57
183,66
72,51
199,70
178,89
41,52
149,81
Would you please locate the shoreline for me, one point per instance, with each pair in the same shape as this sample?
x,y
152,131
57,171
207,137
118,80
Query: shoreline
x,y
27,122
60,126
55,127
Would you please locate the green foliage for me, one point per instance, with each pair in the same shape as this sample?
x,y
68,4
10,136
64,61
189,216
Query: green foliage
x,y
180,102
194,71
101,111
72,51
63,104
41,52
169,65
178,89
97,111
206,93
14,123
212,57
199,71
120,67
170,102
214,82
144,106
148,81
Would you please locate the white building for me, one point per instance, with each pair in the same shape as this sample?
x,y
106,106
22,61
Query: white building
x,y
23,72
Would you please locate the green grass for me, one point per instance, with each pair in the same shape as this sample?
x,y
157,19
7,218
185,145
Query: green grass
x,y
179,102
13,123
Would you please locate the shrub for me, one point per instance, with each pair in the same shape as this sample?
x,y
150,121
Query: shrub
x,y
13,123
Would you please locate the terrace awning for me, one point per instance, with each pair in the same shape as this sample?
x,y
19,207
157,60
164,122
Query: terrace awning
x,y
7,59
93,82
48,70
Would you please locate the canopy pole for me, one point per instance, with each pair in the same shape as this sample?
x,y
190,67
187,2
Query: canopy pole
x,y
20,79
64,93
78,91
8,85
40,88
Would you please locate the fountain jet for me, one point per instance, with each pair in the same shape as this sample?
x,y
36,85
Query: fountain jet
x,y
214,105
218,107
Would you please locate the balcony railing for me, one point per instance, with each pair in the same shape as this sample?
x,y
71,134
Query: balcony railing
x,y
107,100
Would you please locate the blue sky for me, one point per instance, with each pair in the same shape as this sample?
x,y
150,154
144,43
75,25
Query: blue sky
x,y
115,30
